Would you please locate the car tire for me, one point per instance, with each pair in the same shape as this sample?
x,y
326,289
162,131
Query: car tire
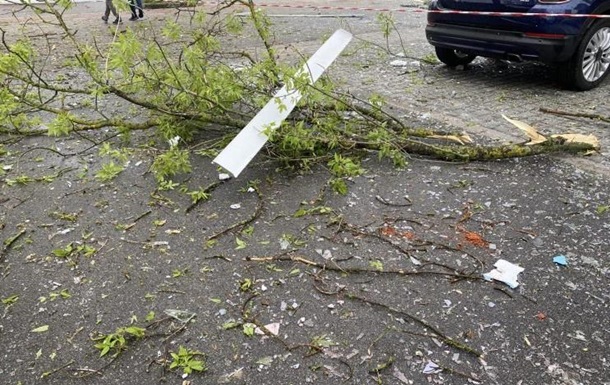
x,y
453,58
591,62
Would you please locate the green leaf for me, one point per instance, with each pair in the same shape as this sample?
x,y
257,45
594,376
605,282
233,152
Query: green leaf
x,y
10,300
63,253
150,316
266,361
240,244
136,331
109,171
230,325
60,126
248,329
377,265
40,329
196,365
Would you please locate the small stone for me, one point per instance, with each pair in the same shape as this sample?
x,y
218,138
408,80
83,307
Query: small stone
x,y
308,323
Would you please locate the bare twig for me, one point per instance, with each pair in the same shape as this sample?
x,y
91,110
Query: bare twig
x,y
576,114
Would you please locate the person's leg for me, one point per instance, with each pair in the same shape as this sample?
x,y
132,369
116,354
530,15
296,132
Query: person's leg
x,y
140,8
110,5
107,10
132,7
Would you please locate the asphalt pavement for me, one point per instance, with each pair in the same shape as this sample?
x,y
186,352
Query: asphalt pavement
x,y
288,283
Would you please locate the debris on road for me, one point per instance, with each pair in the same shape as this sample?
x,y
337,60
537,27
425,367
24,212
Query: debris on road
x,y
505,272
560,260
431,368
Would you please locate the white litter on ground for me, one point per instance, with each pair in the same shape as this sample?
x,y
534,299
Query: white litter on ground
x,y
244,147
505,272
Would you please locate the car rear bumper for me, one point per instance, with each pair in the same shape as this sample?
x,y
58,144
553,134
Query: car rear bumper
x,y
501,44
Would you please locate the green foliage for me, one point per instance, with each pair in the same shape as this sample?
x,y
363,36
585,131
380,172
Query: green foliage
x,y
185,359
245,284
117,342
61,125
241,244
10,300
386,22
150,316
344,167
172,30
64,252
72,250
63,294
248,329
323,341
109,171
179,80
20,180
198,195
377,265
338,185
70,217
293,241
170,163
120,156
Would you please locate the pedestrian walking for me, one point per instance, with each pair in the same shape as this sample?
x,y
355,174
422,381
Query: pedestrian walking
x,y
110,8
137,10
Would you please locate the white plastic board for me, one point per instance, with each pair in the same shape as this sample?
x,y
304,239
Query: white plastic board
x,y
243,148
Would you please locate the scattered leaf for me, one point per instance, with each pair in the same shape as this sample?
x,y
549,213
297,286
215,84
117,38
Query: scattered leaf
x,y
265,361
541,316
240,244
231,324
40,329
475,239
248,329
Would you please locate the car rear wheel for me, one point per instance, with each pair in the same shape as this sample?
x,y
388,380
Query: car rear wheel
x,y
591,62
452,57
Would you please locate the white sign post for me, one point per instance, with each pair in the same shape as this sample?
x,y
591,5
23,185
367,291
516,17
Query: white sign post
x,y
244,147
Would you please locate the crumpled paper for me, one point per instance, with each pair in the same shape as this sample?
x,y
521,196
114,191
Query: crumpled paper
x,y
505,272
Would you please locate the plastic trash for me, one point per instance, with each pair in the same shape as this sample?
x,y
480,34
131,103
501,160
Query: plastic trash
x,y
431,368
560,260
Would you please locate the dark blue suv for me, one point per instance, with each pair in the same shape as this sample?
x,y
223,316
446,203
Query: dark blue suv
x,y
578,46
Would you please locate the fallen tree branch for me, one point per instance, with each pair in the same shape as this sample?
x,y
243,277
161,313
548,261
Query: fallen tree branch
x,y
359,270
576,114
442,336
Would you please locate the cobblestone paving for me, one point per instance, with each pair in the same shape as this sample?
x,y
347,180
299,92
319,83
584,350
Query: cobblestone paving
x,y
471,99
